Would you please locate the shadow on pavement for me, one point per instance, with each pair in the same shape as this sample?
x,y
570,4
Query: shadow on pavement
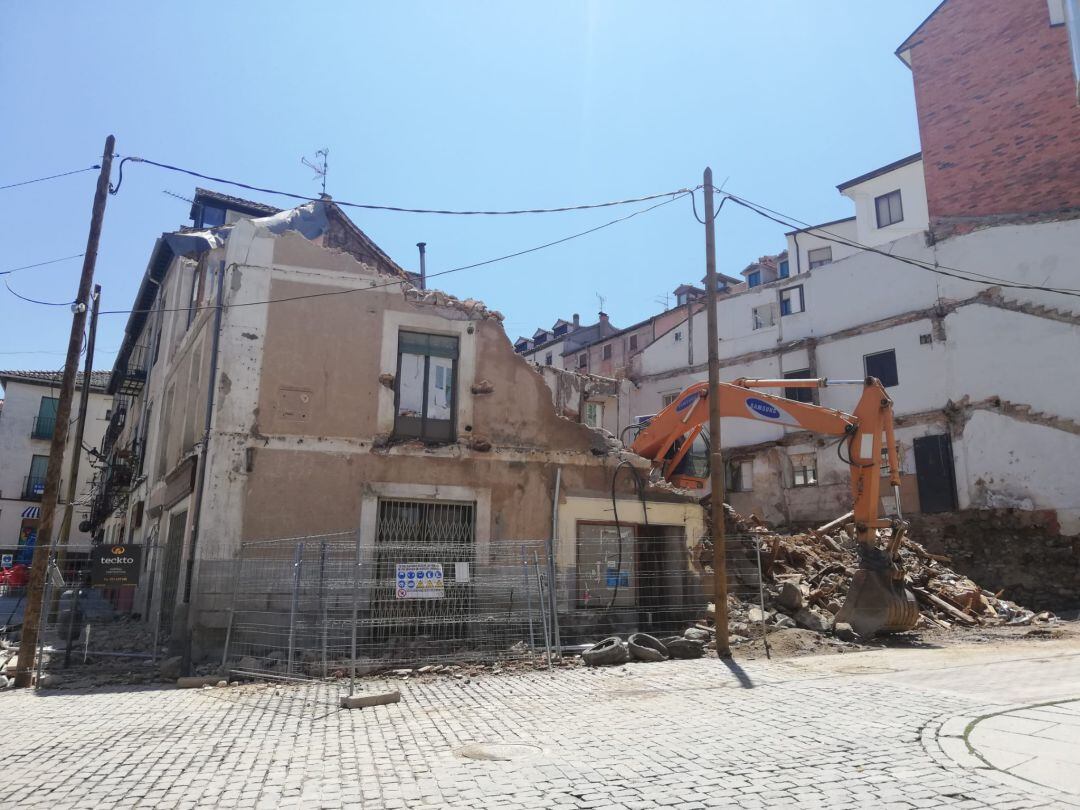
x,y
738,672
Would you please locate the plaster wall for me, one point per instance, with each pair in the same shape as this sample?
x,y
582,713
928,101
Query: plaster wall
x,y
909,181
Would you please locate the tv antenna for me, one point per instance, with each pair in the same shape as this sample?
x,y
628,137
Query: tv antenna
x,y
601,299
319,166
664,300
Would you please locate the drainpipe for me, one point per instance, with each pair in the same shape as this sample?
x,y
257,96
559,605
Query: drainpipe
x,y
423,264
203,455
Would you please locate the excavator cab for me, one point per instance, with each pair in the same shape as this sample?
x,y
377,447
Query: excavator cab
x,y
877,601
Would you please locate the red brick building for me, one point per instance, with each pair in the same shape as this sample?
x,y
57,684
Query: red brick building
x,y
999,121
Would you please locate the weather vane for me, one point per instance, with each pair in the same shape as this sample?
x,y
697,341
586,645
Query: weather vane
x,y
319,166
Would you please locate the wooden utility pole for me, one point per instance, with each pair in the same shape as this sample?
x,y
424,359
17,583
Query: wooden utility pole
x,y
716,461
43,546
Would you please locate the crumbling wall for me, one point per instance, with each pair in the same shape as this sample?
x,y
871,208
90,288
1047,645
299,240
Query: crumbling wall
x,y
1020,552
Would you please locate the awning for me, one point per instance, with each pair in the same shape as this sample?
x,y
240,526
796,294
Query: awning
x,y
32,512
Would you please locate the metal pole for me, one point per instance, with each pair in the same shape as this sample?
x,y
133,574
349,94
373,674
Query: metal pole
x,y
42,549
528,596
355,606
80,430
322,605
543,612
298,559
73,610
232,608
46,596
716,461
552,544
761,597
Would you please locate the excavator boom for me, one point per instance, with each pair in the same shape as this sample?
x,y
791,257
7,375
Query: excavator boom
x,y
877,600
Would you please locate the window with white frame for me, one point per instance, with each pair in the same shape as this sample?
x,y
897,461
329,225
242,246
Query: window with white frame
x,y
791,301
764,316
819,256
890,209
804,469
678,337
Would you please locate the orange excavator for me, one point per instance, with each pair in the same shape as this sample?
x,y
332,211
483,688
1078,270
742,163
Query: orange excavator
x,y
877,600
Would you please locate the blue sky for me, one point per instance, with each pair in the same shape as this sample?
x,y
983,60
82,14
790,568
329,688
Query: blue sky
x,y
444,105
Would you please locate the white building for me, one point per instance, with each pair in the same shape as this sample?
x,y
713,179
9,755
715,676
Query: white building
x,y
27,421
986,418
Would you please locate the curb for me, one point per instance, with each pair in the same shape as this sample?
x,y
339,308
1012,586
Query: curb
x,y
945,740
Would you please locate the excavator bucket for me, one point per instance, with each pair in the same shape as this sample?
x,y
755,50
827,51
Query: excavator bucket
x,y
877,602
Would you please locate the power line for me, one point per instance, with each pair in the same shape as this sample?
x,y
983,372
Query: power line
x,y
35,301
402,281
50,177
41,264
399,209
944,270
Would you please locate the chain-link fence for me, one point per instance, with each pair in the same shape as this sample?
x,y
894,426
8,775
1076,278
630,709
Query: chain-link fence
x,y
330,605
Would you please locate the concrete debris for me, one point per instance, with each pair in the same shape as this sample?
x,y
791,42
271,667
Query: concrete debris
x,y
806,577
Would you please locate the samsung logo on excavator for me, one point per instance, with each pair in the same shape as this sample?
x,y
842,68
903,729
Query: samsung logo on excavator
x,y
686,403
762,408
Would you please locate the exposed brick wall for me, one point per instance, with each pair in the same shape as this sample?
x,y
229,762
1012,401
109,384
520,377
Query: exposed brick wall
x,y
998,117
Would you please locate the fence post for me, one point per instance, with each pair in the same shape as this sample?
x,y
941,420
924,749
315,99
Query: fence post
x,y
298,560
46,600
322,605
552,582
232,606
543,611
355,606
528,596
761,598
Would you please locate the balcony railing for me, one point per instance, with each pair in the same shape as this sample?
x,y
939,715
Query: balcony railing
x,y
33,487
134,372
43,427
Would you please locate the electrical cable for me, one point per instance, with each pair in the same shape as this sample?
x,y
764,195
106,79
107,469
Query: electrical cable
x,y
373,207
716,213
403,281
639,487
944,270
35,301
50,177
41,264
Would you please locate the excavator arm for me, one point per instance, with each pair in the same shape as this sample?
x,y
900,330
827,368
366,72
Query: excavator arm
x,y
877,600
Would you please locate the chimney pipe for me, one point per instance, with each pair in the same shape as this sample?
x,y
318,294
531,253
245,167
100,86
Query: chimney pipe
x,y
577,320
423,264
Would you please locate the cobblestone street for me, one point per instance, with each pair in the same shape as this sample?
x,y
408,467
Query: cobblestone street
x,y
876,729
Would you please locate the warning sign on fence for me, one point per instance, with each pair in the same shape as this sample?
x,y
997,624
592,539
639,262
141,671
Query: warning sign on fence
x,y
419,580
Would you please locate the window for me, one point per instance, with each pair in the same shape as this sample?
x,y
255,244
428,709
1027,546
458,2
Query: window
x,y
633,343
886,471
819,256
791,301
583,361
799,394
547,359
678,337
926,340
883,366
764,316
35,481
890,209
211,216
425,402
754,279
522,346
667,399
681,299
740,476
804,469
607,352
45,421
560,330
594,414
784,269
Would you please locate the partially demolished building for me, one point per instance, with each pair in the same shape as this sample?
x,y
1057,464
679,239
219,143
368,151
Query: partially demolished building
x,y
281,377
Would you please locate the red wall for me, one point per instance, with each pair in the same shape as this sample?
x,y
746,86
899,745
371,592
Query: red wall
x,y
998,117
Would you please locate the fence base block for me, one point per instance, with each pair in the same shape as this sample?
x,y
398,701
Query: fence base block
x,y
198,681
361,701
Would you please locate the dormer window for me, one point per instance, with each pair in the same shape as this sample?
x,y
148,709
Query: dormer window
x,y
783,269
211,216
753,279
681,299
560,330
890,209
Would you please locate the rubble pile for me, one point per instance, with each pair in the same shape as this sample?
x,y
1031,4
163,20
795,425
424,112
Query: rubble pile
x,y
806,577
